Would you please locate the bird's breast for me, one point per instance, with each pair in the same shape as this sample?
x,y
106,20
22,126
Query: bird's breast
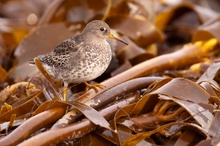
x,y
90,62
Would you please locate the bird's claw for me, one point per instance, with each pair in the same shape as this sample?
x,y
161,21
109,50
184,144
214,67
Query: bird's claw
x,y
94,86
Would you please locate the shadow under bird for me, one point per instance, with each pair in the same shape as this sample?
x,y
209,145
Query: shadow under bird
x,y
81,58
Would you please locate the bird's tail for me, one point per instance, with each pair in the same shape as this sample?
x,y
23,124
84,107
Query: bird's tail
x,y
31,62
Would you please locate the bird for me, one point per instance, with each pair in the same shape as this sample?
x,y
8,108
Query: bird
x,y
81,58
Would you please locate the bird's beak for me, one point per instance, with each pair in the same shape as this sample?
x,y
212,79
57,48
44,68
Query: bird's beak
x,y
117,38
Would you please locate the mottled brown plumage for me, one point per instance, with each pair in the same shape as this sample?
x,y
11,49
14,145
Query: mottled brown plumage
x,y
83,57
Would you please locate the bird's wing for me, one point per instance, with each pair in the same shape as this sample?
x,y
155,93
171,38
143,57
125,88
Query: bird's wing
x,y
61,54
65,47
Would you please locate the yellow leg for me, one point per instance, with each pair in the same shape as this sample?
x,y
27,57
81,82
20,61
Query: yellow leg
x,y
94,86
64,93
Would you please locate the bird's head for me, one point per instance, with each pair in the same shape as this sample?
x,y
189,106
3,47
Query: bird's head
x,y
101,30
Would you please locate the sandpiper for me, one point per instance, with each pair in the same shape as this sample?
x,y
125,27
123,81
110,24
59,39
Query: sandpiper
x,y
81,58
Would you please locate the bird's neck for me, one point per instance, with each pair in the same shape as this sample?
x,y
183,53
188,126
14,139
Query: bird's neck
x,y
90,37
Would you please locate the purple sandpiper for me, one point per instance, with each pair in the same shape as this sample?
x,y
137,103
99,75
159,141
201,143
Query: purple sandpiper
x,y
81,58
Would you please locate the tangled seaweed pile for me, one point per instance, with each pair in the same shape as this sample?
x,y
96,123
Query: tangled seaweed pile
x,y
161,89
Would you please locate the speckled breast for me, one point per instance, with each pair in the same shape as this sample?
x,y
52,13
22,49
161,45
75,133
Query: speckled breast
x,y
90,63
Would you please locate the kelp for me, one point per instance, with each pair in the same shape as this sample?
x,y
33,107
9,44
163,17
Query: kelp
x,y
161,89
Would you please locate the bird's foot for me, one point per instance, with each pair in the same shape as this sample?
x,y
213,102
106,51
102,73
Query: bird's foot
x,y
94,86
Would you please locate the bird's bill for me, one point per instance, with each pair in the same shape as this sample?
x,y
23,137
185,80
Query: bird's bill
x,y
117,38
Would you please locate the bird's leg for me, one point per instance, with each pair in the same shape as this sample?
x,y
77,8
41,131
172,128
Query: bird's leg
x,y
64,91
94,86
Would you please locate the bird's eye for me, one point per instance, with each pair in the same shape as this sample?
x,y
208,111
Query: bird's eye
x,y
102,29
